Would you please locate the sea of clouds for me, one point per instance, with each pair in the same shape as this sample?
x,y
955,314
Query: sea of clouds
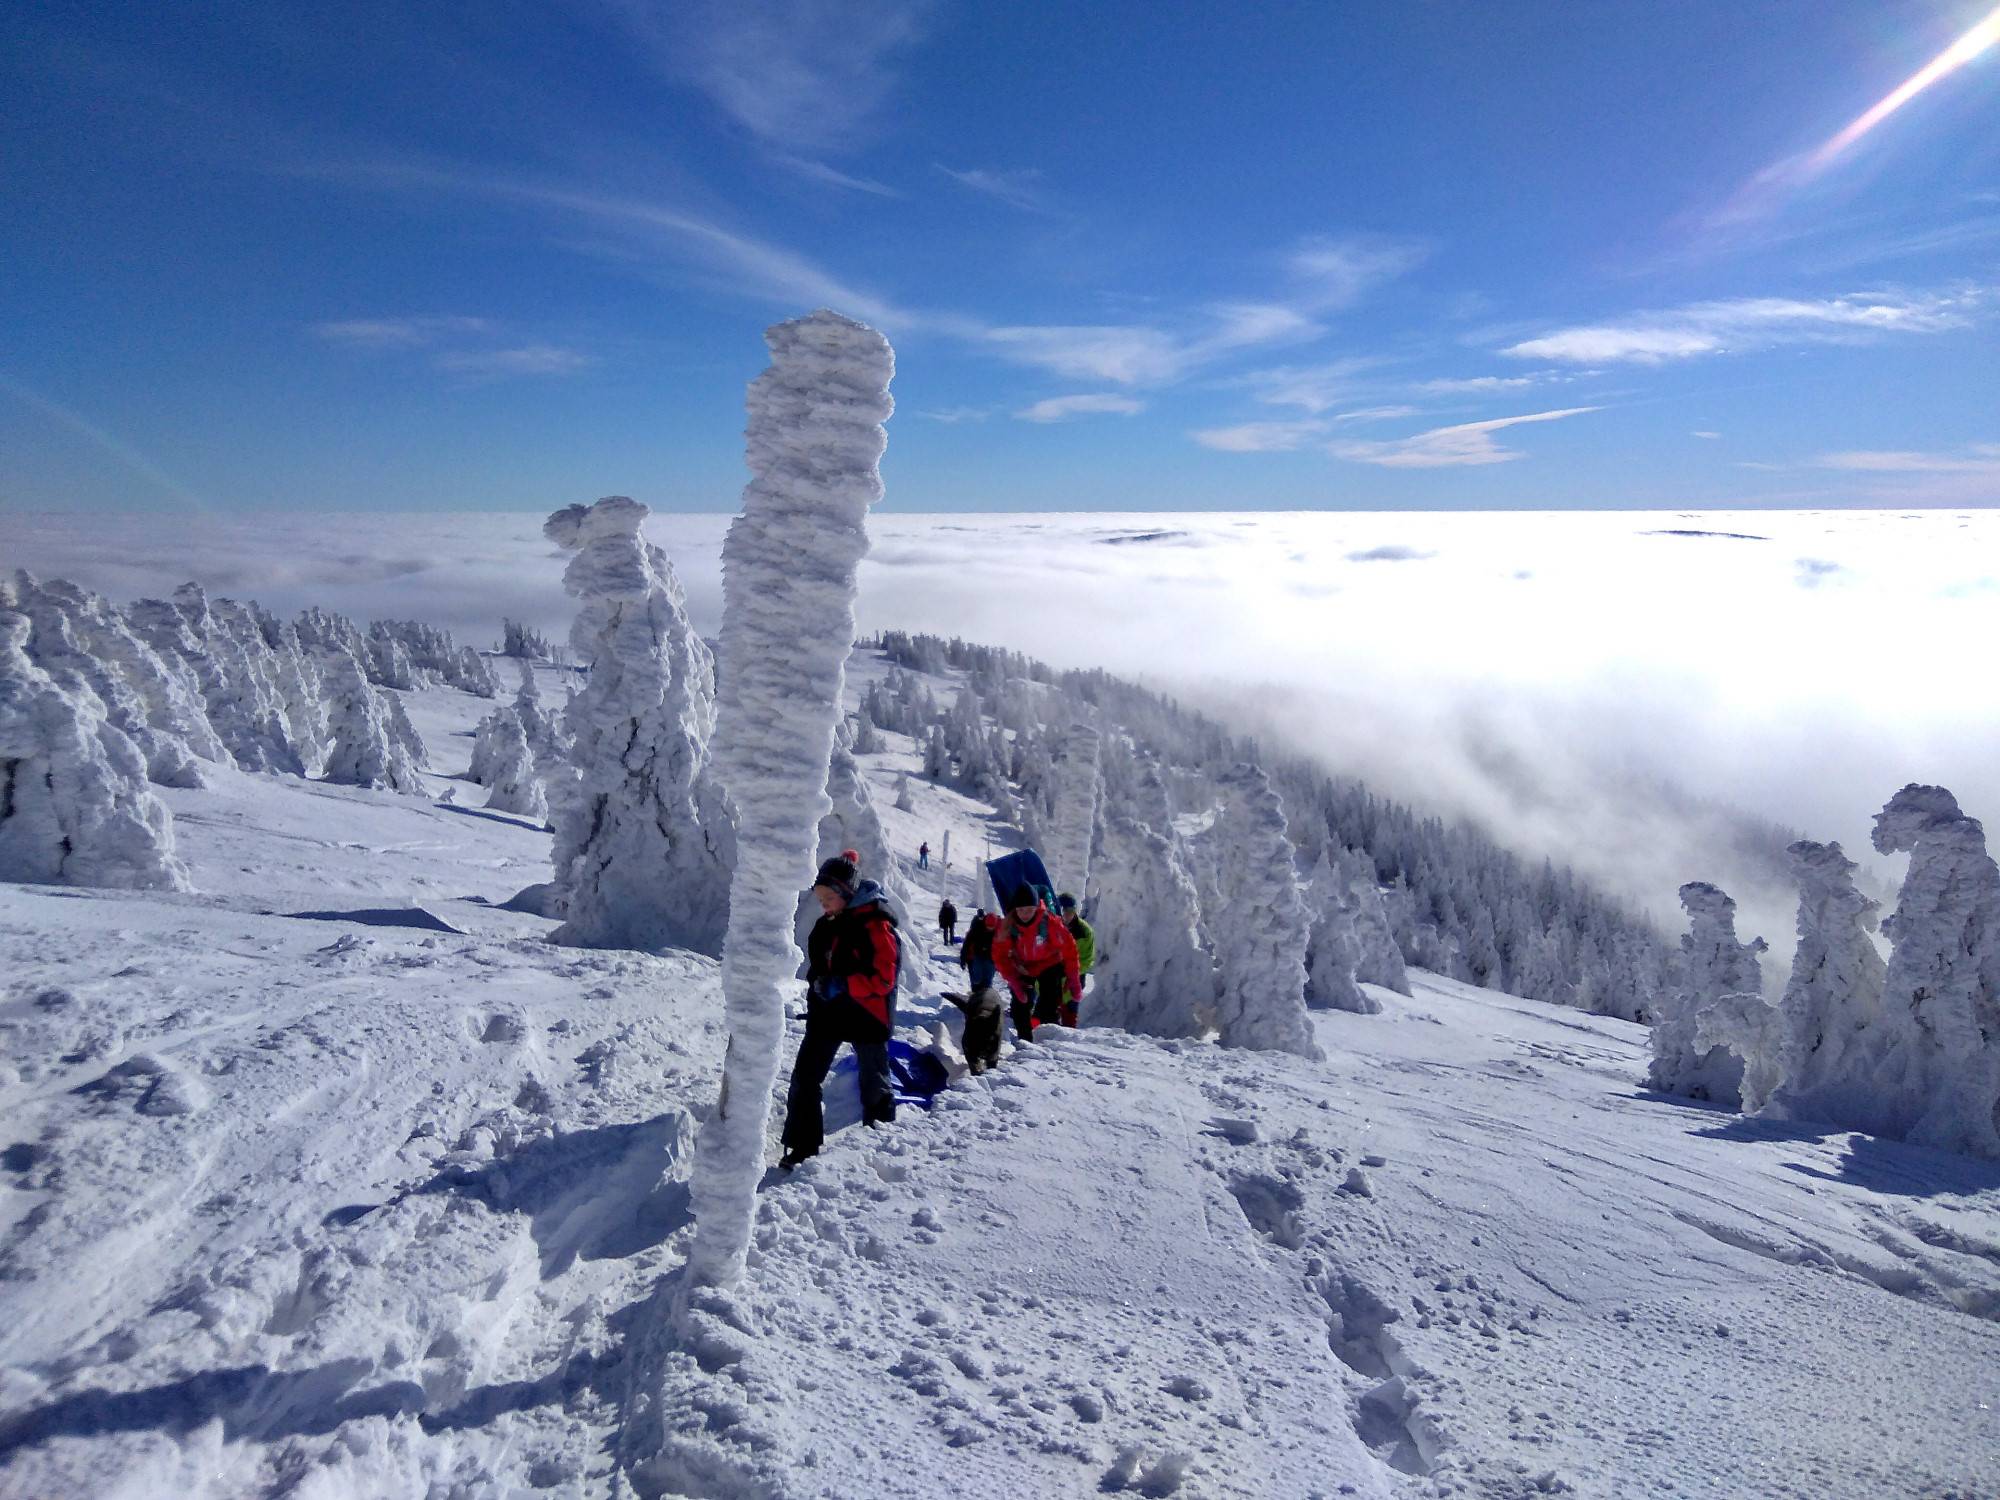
x,y
1610,688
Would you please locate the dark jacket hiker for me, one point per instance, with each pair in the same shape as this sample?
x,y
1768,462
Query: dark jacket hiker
x,y
853,956
975,954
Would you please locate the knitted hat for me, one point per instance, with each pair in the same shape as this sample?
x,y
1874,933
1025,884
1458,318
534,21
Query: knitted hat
x,y
1066,901
837,875
1024,895
852,856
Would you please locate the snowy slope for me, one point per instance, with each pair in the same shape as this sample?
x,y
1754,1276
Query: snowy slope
x,y
331,1208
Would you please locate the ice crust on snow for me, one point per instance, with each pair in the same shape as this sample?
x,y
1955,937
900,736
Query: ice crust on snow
x,y
75,806
1705,1028
814,443
1261,925
644,852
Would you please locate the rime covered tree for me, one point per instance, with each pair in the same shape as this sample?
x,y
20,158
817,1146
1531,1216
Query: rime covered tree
x,y
1078,786
1261,927
1152,975
815,439
1696,1049
1938,1073
1834,1021
366,749
75,807
643,856
1334,950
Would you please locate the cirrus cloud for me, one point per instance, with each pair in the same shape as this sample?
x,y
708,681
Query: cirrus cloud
x,y
1737,325
1064,408
1462,445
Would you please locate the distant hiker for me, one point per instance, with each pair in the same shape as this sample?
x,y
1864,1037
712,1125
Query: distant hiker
x,y
975,954
852,958
924,855
1036,955
948,921
1086,946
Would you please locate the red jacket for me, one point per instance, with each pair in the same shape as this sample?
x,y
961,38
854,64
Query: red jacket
x,y
1023,953
856,955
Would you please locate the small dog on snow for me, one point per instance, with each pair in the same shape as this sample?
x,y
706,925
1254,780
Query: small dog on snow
x,y
982,1027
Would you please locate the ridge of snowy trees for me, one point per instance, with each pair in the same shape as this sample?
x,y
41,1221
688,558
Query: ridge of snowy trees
x,y
195,681
644,852
1441,896
1909,1049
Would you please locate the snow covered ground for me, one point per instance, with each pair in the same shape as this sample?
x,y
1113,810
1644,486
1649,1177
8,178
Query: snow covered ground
x,y
335,1179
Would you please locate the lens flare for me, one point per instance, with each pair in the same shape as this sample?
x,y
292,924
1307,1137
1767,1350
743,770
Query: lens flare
x,y
1949,61
1763,192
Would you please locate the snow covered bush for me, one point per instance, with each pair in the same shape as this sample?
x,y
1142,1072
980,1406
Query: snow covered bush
x,y
1705,1028
524,641
1834,1022
1153,975
75,808
1261,926
1938,1069
815,439
222,647
365,750
1334,950
644,854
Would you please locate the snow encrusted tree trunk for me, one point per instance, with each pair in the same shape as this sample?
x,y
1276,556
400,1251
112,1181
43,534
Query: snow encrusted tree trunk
x,y
1703,1030
1152,975
1333,950
1079,786
815,440
1834,1021
1378,959
1939,1073
1261,928
643,855
75,808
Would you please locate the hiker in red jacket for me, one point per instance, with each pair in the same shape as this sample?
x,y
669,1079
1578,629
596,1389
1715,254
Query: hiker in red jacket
x,y
853,956
1036,955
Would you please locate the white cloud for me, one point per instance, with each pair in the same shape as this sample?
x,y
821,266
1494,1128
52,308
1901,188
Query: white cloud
x,y
1484,385
819,171
1338,271
1978,458
397,333
804,74
1019,187
951,416
1063,408
1260,437
1128,354
527,359
1746,323
1710,436
1467,443
1311,388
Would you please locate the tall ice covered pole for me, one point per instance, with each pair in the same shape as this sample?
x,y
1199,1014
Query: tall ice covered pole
x,y
788,565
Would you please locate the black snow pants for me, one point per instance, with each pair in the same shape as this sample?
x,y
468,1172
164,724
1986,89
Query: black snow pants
x,y
828,1024
1044,1002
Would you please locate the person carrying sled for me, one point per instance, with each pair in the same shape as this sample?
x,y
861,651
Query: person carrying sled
x,y
948,921
853,956
1086,947
1036,955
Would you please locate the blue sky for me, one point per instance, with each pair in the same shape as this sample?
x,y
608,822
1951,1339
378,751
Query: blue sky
x,y
1378,255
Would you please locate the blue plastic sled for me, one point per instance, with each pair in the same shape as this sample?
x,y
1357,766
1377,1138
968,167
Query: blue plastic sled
x,y
915,1077
1024,867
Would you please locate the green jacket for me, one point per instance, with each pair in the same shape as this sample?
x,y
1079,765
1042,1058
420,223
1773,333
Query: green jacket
x,y
1086,943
